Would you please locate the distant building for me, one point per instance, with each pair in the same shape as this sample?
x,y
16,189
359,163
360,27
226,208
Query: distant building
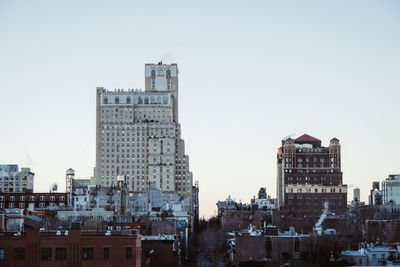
x,y
371,256
310,175
240,219
252,248
354,257
356,195
264,201
379,255
376,195
32,201
383,230
14,180
228,204
391,189
138,135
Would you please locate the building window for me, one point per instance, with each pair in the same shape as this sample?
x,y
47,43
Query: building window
x,y
105,100
21,198
42,198
32,198
128,253
12,198
2,252
52,198
106,253
87,253
61,254
22,205
45,254
128,100
117,100
61,198
19,253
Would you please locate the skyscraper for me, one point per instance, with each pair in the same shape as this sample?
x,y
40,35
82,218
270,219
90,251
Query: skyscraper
x,y
138,134
310,175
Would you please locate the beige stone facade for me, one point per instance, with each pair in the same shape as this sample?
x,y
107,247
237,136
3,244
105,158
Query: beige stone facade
x,y
138,134
14,180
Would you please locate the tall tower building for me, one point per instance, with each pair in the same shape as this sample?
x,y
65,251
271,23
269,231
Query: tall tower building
x,y
310,175
138,134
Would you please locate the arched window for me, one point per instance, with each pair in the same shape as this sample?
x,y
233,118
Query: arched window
x,y
168,74
117,100
105,100
128,100
153,74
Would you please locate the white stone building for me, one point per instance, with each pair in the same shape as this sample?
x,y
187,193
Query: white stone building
x,y
391,189
14,180
138,135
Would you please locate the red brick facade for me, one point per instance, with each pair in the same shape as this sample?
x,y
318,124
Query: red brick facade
x,y
81,249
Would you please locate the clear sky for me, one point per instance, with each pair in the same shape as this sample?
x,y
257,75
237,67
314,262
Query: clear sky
x,y
251,73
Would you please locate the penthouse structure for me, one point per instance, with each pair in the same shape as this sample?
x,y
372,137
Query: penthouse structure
x,y
310,175
138,135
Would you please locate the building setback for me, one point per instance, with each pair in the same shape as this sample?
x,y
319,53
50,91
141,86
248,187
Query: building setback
x,y
138,135
310,175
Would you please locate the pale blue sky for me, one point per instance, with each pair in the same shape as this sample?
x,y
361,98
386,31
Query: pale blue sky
x,y
251,72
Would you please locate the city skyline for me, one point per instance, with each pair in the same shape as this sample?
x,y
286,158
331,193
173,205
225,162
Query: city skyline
x,y
249,76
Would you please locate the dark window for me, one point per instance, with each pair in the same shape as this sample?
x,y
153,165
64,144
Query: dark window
x,y
128,253
87,253
61,254
128,100
105,100
19,253
116,100
2,252
268,244
106,253
45,254
285,256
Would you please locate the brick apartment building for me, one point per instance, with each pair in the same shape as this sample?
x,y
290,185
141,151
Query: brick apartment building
x,y
240,219
77,248
309,175
32,201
